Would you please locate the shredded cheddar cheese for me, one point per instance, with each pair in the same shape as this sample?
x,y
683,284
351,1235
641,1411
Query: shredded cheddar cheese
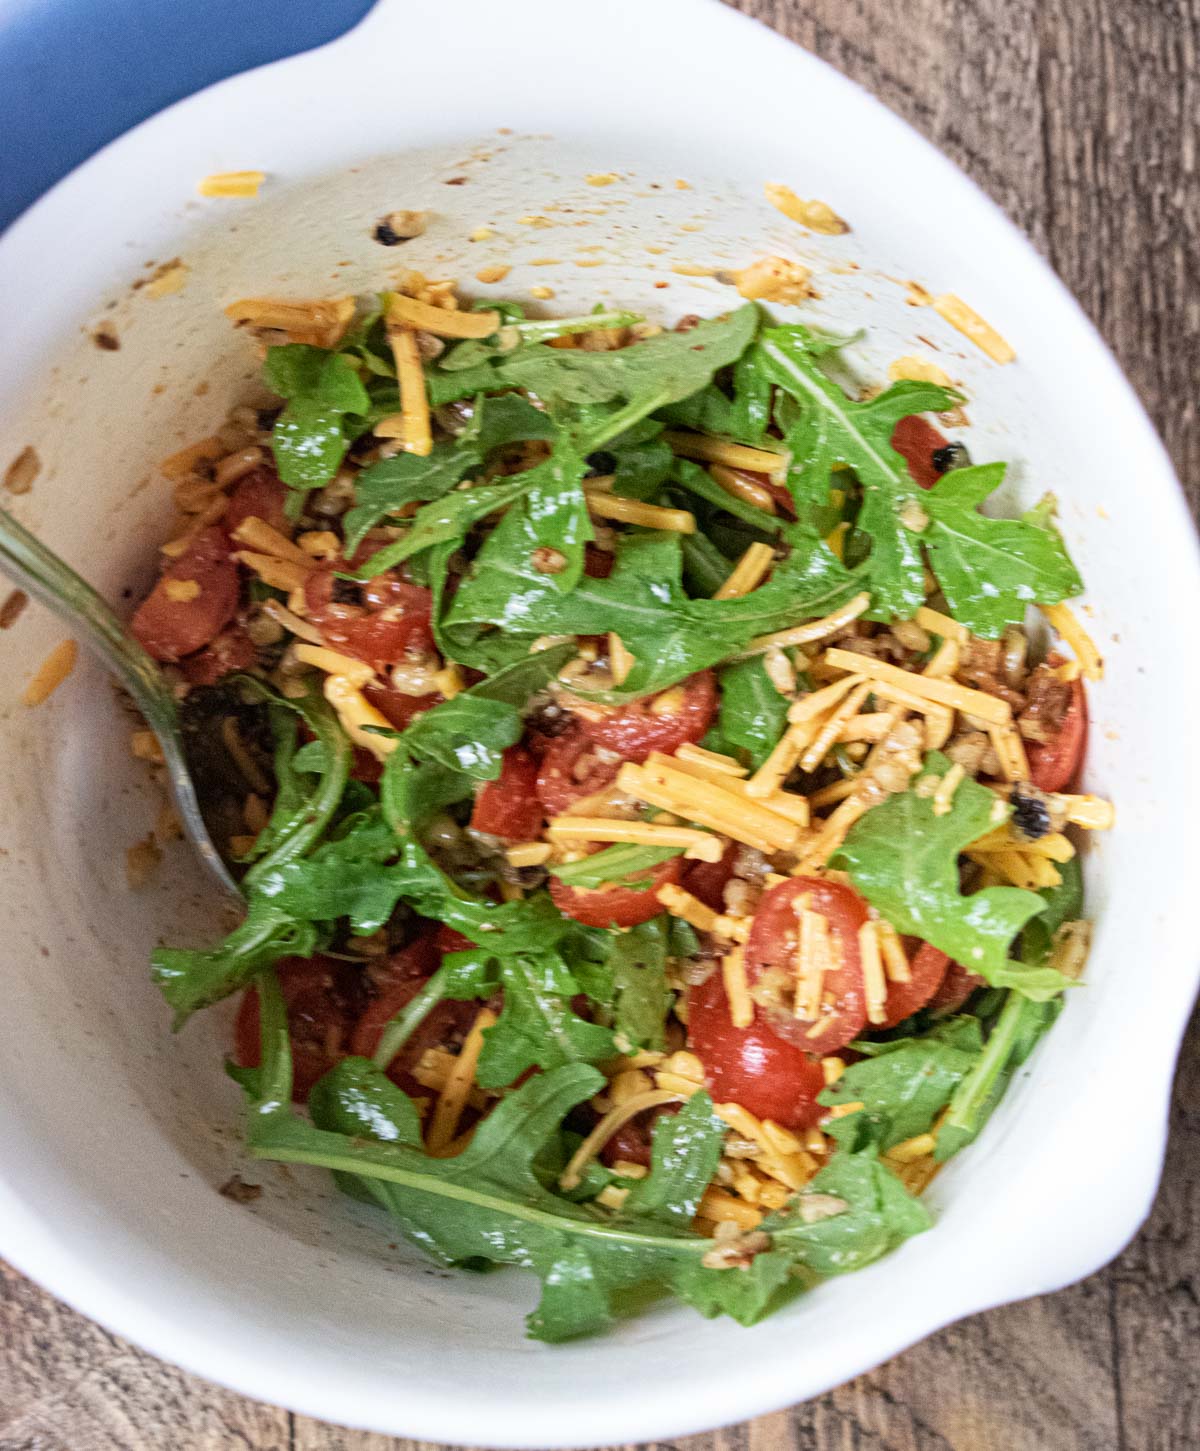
x,y
407,313
51,673
699,845
453,1097
733,975
748,573
232,183
1066,623
633,511
720,451
942,692
972,326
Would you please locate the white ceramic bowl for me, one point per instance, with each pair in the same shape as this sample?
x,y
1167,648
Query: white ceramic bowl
x,y
113,1135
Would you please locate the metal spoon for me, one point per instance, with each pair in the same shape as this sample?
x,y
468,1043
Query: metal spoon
x,y
42,574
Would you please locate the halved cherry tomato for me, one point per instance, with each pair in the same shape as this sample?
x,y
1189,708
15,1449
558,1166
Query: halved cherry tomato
x,y
771,956
322,997
405,975
509,807
1054,765
232,650
955,988
616,906
752,1066
660,722
916,440
171,628
569,771
706,880
926,968
258,495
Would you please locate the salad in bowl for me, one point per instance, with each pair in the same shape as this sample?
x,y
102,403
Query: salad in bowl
x,y
652,779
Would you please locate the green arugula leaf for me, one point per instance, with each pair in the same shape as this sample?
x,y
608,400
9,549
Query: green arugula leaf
x,y
1022,1022
1063,903
597,396
387,486
644,602
554,520
642,462
753,714
991,570
879,1215
518,331
468,734
904,860
904,1086
640,997
743,415
312,433
192,979
446,520
462,740
537,1027
832,428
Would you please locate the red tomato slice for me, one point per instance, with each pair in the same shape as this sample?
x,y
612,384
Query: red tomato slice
x,y
170,628
616,906
706,880
407,973
752,1066
393,622
322,997
397,707
560,782
258,495
771,955
915,440
955,988
927,967
509,807
232,650
1054,765
661,722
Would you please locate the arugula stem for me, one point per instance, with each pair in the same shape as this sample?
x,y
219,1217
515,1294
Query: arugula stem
x,y
275,1072
973,1091
406,1022
538,329
348,1162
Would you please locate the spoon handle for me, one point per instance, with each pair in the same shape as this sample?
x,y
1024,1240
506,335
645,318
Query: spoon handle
x,y
50,580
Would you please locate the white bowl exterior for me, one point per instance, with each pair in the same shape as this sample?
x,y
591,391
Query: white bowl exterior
x,y
114,1134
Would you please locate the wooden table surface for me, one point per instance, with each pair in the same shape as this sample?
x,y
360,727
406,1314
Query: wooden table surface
x,y
1079,118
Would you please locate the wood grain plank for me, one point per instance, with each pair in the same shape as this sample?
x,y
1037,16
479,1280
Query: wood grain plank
x,y
67,1385
1079,117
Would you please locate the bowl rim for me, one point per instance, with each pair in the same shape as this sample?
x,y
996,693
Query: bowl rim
x,y
101,1294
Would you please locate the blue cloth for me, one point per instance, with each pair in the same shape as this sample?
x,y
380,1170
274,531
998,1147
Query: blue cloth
x,y
74,74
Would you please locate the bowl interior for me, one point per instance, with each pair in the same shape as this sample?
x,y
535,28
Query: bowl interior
x,y
118,1135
